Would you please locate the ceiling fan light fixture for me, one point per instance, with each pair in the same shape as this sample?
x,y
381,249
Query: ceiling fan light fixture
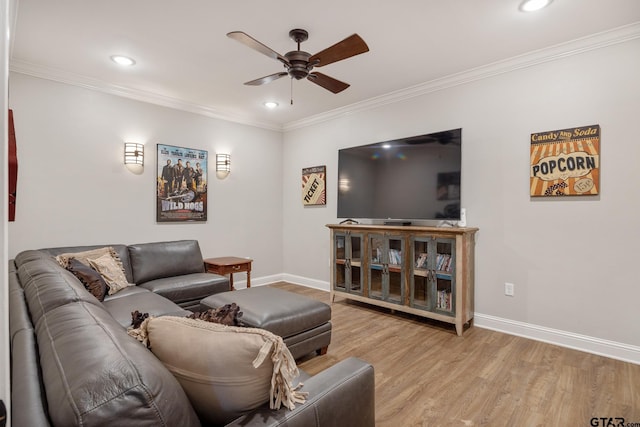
x,y
125,61
534,5
270,104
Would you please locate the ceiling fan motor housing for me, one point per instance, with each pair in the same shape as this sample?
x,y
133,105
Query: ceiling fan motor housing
x,y
300,67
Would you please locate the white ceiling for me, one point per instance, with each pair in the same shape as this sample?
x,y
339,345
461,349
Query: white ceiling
x,y
185,60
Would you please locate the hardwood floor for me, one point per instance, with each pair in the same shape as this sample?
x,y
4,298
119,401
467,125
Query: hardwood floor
x,y
428,376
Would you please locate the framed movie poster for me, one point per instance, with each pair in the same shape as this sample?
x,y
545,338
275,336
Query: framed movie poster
x,y
314,186
181,190
565,162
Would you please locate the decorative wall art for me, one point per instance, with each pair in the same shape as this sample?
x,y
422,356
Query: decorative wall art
x,y
565,162
13,168
181,190
314,186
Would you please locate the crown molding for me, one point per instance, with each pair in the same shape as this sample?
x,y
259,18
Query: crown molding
x,y
530,59
563,50
61,76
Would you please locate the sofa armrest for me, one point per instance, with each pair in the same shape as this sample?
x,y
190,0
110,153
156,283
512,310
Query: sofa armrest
x,y
342,395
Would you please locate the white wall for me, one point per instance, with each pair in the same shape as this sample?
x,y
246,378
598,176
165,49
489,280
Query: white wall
x,y
571,260
74,189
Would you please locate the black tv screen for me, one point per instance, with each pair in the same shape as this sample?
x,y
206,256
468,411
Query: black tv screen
x,y
415,178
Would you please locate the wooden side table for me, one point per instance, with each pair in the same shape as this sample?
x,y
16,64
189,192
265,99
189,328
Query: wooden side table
x,y
229,265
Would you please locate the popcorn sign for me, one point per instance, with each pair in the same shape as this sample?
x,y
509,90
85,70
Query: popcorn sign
x,y
565,162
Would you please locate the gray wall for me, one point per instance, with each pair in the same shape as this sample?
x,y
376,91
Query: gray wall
x,y
74,189
571,259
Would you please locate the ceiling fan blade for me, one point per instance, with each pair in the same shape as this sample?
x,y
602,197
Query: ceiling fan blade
x,y
327,82
266,79
254,44
351,46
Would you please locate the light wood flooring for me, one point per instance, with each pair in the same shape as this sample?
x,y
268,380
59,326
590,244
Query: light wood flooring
x,y
428,376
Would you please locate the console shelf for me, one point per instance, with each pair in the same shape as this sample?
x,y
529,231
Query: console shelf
x,y
425,271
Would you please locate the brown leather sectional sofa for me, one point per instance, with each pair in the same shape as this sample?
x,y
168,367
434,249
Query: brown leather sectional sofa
x,y
73,363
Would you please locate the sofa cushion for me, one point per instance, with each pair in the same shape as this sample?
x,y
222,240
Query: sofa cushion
x,y
47,286
276,310
28,401
18,314
126,292
225,370
92,370
90,278
188,287
28,256
165,259
144,302
111,272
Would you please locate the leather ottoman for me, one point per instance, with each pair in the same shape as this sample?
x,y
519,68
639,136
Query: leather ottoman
x,y
303,323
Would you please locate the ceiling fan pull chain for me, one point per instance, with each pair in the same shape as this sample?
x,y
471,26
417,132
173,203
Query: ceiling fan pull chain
x,y
291,90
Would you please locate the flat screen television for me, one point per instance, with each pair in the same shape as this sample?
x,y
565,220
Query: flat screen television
x,y
415,178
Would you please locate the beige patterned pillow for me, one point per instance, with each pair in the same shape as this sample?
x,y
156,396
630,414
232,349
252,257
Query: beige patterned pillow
x,y
111,272
83,257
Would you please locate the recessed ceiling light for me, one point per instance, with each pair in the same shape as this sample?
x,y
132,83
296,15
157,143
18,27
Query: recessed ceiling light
x,y
533,5
122,60
271,104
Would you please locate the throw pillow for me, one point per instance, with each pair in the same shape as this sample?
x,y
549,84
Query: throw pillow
x,y
225,371
83,257
91,279
110,272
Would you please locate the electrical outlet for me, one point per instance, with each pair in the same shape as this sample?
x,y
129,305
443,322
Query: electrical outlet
x,y
508,289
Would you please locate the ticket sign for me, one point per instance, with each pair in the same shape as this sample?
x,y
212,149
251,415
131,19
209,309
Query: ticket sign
x,y
313,186
565,162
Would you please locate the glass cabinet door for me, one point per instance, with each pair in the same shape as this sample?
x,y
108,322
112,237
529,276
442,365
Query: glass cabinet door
x,y
394,291
420,274
340,257
444,276
386,268
376,265
433,275
354,243
347,269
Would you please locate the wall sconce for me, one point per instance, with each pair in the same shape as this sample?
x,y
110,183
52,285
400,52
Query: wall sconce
x,y
134,157
223,165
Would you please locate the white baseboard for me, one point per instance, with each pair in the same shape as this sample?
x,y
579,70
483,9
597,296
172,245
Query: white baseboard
x,y
305,281
601,347
258,281
615,350
284,277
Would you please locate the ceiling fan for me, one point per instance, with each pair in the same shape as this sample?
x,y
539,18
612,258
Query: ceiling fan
x,y
300,64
